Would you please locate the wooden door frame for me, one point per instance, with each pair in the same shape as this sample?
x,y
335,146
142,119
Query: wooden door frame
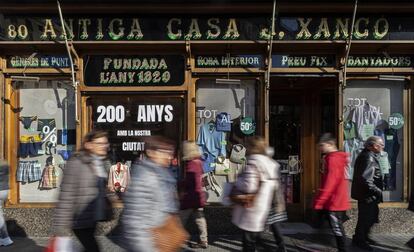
x,y
309,153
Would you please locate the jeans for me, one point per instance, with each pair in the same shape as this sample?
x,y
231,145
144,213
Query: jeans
x,y
367,217
200,220
3,226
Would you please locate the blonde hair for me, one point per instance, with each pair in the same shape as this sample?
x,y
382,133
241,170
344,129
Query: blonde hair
x,y
256,145
190,150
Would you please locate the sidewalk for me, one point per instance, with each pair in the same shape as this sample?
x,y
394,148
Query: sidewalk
x,y
298,236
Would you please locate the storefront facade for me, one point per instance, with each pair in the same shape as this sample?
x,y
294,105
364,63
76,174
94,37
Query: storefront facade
x,y
201,74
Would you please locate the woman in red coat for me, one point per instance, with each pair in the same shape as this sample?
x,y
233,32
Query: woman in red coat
x,y
192,196
333,197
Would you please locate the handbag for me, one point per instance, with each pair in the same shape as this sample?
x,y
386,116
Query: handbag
x,y
222,166
170,236
244,199
238,154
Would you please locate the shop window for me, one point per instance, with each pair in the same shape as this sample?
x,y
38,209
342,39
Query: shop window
x,y
46,137
225,116
130,120
376,108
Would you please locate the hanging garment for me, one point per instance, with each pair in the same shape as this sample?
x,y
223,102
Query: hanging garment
x,y
29,146
49,178
41,123
118,178
27,121
366,118
28,171
211,141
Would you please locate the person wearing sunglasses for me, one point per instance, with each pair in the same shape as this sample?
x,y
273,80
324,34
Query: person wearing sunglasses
x,y
367,186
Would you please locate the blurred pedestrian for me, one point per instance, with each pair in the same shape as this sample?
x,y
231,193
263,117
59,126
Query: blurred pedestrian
x,y
277,211
367,186
151,198
4,190
192,196
332,199
83,200
258,179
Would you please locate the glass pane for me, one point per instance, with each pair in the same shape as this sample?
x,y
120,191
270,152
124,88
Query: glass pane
x,y
236,106
131,119
285,137
47,137
369,109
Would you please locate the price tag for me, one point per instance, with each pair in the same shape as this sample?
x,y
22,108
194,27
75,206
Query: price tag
x,y
396,121
247,126
367,131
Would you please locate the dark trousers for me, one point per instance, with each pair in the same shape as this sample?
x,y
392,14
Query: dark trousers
x,y
336,220
367,217
252,241
86,236
274,227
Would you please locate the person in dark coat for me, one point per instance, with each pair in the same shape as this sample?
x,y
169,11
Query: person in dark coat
x,y
367,186
82,199
192,196
4,190
333,198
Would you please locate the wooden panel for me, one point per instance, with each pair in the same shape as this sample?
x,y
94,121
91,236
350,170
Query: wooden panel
x,y
11,140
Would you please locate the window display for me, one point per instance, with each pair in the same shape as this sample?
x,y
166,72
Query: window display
x,y
376,108
130,120
46,137
221,131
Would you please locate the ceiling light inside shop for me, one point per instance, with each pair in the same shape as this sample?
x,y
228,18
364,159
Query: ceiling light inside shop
x,y
392,77
228,81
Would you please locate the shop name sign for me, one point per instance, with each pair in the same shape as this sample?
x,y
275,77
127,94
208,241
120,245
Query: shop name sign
x,y
291,61
38,61
136,28
143,70
380,61
232,61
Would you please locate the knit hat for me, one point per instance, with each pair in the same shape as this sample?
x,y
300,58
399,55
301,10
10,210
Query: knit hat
x,y
190,150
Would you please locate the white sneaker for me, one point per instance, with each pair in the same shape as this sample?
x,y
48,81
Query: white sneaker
x,y
6,241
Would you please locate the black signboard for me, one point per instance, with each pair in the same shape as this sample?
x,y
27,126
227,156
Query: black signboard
x,y
38,61
229,61
292,61
205,27
380,61
142,70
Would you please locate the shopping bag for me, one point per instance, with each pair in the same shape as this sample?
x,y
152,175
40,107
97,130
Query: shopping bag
x,y
238,154
222,167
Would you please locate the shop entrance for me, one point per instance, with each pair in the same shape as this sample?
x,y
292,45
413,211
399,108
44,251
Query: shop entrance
x,y
300,110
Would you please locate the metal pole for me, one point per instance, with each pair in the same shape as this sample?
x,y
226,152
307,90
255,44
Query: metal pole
x,y
343,80
348,46
269,62
72,67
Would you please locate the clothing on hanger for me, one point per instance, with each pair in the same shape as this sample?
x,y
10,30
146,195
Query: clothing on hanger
x,y
119,177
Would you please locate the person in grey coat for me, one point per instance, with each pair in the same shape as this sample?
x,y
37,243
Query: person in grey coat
x,y
151,197
82,199
4,190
